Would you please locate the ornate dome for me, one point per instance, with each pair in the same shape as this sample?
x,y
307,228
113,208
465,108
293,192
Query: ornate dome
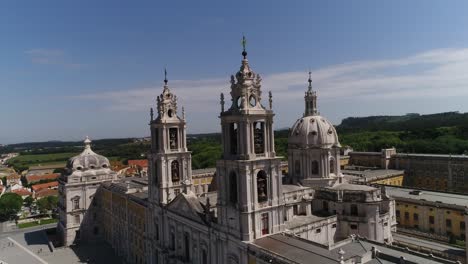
x,y
313,131
88,159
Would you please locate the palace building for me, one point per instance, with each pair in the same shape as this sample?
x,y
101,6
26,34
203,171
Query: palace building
x,y
252,215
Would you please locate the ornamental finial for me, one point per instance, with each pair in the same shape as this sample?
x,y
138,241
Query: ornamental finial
x,y
151,113
270,99
165,76
244,43
222,102
183,113
310,80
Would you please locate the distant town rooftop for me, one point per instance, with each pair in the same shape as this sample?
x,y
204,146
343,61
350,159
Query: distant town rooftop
x,y
373,174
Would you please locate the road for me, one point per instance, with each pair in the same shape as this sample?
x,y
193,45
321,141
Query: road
x,y
26,230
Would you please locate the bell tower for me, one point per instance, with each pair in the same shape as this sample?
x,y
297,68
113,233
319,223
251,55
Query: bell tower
x,y
249,185
170,163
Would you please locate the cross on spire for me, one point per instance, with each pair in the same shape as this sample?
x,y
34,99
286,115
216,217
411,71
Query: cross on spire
x,y
165,76
310,80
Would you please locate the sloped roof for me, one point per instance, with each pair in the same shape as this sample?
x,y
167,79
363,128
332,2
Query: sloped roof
x,y
47,185
141,163
36,178
189,206
46,192
22,192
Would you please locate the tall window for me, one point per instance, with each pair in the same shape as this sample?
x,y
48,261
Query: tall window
x,y
233,137
204,257
265,227
172,240
332,166
325,206
315,167
233,188
156,138
76,203
354,210
262,188
259,139
187,246
297,167
175,171
173,139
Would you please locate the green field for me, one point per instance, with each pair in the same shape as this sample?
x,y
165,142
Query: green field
x,y
36,223
23,162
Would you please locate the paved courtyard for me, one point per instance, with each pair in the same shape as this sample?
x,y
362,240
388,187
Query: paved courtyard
x,y
32,247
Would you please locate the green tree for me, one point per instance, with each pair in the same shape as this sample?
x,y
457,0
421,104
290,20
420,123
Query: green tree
x,y
10,205
4,181
47,203
28,201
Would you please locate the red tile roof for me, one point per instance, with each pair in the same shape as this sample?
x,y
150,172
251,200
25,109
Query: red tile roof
x,y
41,186
22,192
141,163
46,192
36,178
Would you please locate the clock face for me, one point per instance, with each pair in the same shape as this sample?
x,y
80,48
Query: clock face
x,y
252,100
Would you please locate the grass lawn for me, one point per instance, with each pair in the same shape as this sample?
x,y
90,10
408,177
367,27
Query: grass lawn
x,y
36,223
41,159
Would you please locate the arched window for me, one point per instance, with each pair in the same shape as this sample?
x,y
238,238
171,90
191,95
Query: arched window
x,y
262,187
175,171
297,167
233,187
259,141
315,167
173,142
332,166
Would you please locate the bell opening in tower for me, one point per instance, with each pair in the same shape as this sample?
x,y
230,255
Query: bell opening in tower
x,y
175,171
233,137
173,138
262,190
259,137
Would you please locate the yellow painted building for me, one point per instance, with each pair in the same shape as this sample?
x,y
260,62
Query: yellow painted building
x,y
436,215
124,217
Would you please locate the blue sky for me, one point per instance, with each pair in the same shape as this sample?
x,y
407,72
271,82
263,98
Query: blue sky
x,y
74,68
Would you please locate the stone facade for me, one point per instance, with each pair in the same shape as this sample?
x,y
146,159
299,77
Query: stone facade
x,y
77,188
251,216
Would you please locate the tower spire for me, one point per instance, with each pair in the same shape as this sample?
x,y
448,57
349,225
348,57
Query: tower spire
x,y
244,43
165,76
310,99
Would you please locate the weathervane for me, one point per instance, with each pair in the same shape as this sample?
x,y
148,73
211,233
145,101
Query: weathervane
x,y
244,43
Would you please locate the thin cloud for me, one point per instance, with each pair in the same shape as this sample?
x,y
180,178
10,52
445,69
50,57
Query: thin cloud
x,y
435,73
51,57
